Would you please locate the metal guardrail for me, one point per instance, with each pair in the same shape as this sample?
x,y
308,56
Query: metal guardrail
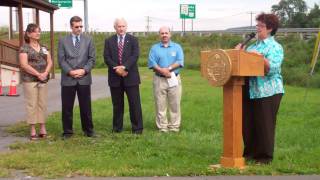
x,y
304,33
247,30
235,31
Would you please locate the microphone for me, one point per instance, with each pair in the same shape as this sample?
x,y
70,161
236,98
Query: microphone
x,y
249,37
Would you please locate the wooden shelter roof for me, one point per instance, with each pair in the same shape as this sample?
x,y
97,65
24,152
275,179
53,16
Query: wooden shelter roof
x,y
42,5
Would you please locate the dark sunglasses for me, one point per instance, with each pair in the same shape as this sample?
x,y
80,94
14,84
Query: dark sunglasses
x,y
78,27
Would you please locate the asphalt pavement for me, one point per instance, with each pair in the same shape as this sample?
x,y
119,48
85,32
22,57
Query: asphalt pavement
x,y
12,109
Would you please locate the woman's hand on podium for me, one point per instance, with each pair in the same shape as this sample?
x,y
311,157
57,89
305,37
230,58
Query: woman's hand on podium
x,y
256,52
238,47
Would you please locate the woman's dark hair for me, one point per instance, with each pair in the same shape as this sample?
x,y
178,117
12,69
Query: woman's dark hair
x,y
271,21
30,29
75,19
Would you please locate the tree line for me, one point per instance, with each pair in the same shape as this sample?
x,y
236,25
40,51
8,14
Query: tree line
x,y
296,14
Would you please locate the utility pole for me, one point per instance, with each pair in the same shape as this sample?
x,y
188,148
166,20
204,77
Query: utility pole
x,y
148,20
251,14
10,23
86,23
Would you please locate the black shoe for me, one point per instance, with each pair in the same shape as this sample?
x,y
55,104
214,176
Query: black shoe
x,y
138,132
116,131
66,136
248,157
91,135
264,161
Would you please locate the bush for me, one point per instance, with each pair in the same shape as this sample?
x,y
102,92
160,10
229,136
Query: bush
x,y
295,68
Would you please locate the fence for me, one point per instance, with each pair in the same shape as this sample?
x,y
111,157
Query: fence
x,y
304,33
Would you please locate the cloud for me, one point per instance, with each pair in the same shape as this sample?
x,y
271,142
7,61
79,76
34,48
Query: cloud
x,y
211,15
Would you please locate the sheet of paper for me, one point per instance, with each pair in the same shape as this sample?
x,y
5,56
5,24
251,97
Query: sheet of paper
x,y
172,81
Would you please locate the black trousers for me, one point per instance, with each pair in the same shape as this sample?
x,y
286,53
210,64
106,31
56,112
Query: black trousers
x,y
68,94
133,95
259,123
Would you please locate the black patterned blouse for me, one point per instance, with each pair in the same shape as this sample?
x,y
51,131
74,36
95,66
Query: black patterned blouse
x,y
37,60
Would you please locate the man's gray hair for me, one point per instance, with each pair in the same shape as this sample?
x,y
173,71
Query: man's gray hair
x,y
117,20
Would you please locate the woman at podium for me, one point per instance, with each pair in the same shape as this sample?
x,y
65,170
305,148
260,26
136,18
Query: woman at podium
x,y
262,95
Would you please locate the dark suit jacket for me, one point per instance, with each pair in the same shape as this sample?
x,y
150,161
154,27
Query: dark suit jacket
x,y
130,57
68,60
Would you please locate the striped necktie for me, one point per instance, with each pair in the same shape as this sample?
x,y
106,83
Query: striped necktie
x,y
77,45
120,49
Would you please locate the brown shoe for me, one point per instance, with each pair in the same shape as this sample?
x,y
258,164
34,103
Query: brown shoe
x,y
42,136
33,137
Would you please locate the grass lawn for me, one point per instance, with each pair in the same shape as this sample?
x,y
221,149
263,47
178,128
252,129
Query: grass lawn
x,y
188,153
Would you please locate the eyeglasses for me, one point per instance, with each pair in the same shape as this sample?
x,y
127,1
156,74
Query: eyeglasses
x,y
78,27
261,25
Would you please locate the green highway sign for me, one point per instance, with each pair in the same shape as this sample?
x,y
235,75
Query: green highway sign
x,y
62,3
187,11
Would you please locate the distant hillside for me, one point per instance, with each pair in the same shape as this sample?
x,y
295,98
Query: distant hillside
x,y
240,28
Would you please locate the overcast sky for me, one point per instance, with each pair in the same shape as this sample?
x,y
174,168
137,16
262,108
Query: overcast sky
x,y
210,14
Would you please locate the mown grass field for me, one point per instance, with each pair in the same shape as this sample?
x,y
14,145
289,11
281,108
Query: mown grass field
x,y
188,153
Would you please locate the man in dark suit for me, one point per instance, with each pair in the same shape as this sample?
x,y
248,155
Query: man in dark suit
x,y
76,56
121,53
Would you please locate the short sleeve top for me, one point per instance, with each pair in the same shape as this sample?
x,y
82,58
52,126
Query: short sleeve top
x,y
271,83
165,56
37,60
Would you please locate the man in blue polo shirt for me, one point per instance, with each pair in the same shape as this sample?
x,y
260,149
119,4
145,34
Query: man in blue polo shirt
x,y
166,59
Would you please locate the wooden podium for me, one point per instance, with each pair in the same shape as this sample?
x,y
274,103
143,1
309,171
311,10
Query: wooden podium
x,y
228,68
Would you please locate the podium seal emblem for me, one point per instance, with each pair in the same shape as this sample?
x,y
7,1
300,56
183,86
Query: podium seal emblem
x,y
219,67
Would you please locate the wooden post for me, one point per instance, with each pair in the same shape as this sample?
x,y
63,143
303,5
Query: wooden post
x,y
232,123
37,17
52,44
20,23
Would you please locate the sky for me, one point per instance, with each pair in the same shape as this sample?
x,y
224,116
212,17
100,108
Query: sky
x,y
210,14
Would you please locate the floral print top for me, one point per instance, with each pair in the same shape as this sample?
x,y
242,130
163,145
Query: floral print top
x,y
37,60
271,83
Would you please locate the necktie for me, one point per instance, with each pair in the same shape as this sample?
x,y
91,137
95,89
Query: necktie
x,y
77,45
120,49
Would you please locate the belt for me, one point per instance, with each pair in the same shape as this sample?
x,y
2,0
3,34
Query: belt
x,y
160,75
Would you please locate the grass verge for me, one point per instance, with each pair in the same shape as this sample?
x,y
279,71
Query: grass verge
x,y
188,153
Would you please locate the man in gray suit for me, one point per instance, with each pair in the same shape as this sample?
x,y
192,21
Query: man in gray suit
x,y
76,56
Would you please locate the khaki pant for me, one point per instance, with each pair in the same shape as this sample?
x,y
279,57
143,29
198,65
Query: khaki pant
x,y
36,96
164,96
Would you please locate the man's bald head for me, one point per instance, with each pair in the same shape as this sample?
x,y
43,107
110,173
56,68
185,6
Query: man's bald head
x,y
165,34
164,28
